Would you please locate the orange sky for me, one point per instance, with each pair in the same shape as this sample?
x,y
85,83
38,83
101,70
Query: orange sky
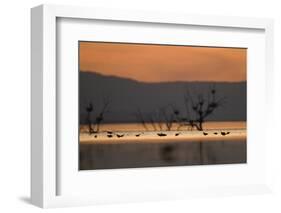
x,y
160,63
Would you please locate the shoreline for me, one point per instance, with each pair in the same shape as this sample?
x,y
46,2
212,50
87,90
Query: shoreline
x,y
163,136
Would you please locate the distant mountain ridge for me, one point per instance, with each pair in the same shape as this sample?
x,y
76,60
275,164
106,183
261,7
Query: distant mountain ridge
x,y
126,96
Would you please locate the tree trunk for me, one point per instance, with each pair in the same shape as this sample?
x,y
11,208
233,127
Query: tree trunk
x,y
200,126
89,122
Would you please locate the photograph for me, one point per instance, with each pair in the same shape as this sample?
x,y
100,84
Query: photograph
x,y
158,105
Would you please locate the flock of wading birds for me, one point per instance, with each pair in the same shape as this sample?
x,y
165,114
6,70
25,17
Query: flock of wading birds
x,y
111,134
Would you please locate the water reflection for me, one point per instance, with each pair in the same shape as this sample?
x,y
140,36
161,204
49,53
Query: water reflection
x,y
135,155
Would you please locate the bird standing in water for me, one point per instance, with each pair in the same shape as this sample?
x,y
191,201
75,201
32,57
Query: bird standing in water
x,y
120,136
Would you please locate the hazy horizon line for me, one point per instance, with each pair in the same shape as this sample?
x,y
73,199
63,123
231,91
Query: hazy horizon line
x,y
159,82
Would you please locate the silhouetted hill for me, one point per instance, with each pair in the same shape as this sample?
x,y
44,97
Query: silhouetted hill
x,y
127,95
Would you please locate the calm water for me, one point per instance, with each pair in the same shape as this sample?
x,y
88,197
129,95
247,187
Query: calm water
x,y
137,155
100,155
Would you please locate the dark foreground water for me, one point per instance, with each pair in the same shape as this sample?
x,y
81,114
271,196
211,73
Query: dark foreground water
x,y
136,155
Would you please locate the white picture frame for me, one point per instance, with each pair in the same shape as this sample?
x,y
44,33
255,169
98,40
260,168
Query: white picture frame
x,y
45,154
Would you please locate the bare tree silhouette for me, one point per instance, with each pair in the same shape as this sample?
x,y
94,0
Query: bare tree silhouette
x,y
141,118
201,107
180,119
149,119
100,116
89,108
155,120
197,110
94,127
168,116
154,124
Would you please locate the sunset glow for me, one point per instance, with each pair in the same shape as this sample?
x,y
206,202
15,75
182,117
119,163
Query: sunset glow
x,y
164,63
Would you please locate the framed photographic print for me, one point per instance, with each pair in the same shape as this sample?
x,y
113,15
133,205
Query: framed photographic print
x,y
149,106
